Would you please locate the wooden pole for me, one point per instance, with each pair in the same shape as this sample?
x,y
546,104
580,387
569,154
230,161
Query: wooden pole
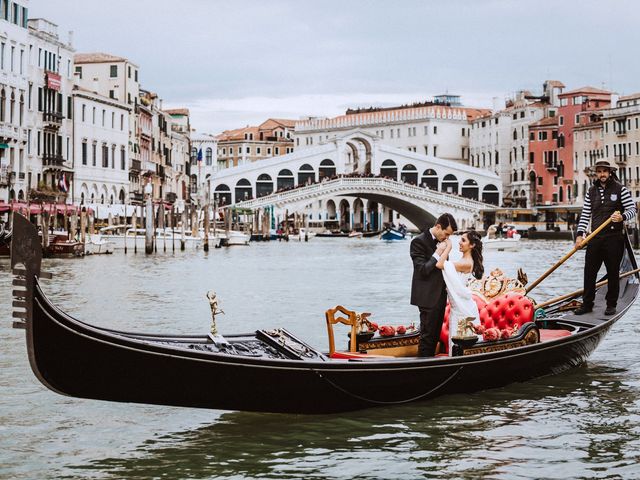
x,y
183,226
579,292
568,255
148,226
205,221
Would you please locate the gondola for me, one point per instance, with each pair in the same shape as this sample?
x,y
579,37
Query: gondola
x,y
273,370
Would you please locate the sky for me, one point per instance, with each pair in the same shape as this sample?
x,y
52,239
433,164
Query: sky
x,y
237,63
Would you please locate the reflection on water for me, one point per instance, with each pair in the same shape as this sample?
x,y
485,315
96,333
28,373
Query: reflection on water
x,y
584,423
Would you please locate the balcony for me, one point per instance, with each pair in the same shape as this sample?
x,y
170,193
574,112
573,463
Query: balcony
x,y
620,159
136,165
52,160
621,132
52,119
136,196
551,166
171,197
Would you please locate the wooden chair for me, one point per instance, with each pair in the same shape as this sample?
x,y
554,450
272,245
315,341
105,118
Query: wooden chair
x,y
350,319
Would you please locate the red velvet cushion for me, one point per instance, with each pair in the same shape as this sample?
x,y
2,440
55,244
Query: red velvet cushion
x,y
444,333
506,311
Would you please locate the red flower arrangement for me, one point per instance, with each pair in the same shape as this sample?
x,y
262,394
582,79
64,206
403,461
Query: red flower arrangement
x,y
494,333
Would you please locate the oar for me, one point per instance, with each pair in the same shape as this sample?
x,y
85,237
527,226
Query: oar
x,y
566,257
579,292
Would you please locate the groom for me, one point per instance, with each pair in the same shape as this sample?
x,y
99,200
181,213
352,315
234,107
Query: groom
x,y
428,290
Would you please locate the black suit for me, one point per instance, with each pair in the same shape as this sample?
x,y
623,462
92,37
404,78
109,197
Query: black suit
x,y
428,292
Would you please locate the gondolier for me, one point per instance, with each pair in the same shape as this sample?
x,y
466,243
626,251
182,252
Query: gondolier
x,y
606,198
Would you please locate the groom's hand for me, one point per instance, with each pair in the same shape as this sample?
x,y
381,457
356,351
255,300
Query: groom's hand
x,y
441,248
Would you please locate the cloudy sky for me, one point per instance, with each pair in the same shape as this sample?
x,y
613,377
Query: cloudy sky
x,y
234,63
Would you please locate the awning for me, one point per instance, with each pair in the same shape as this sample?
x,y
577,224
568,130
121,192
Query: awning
x,y
4,145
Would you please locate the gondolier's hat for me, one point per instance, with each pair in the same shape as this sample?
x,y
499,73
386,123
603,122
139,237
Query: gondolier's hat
x,y
606,164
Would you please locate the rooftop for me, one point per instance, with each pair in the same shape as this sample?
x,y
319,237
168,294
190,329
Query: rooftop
x,y
97,57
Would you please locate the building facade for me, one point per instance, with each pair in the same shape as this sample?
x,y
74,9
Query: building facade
x,y
271,138
101,162
17,174
438,128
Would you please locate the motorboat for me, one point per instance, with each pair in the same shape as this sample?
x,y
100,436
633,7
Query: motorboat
x,y
134,238
97,245
272,370
508,240
233,237
390,233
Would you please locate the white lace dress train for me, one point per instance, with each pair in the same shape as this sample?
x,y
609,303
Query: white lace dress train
x,y
463,306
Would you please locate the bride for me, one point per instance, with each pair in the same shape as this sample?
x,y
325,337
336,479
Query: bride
x,y
457,275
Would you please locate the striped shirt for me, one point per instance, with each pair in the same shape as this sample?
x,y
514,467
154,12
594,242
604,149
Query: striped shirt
x,y
625,198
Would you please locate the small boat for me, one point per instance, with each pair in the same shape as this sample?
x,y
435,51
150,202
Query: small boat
x,y
509,241
234,237
61,246
272,370
372,233
136,237
332,234
354,234
97,245
390,233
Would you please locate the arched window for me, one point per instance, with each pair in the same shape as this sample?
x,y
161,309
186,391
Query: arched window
x,y
409,174
264,185
470,189
327,169
222,194
450,184
429,179
490,194
515,134
21,111
244,191
285,179
12,107
306,174
389,169
209,156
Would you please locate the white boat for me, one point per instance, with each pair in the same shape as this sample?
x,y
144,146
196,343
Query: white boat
x,y
135,237
355,234
233,237
305,233
508,242
96,245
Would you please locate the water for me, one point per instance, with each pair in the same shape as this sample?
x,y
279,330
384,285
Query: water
x,y
581,424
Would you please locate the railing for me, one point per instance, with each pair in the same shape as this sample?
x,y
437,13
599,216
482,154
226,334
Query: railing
x,y
53,118
551,166
620,158
621,132
364,185
136,165
52,160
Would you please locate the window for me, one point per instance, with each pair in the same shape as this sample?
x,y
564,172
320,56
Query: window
x,y
435,132
577,119
2,48
69,107
463,131
123,162
94,154
113,156
561,120
135,75
277,150
105,156
129,71
122,122
521,114
435,150
531,157
113,71
84,108
93,116
103,116
84,152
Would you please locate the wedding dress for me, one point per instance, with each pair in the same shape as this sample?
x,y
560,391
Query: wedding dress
x,y
462,304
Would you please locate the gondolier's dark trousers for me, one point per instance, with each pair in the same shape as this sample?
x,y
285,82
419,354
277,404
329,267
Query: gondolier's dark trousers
x,y
608,249
431,319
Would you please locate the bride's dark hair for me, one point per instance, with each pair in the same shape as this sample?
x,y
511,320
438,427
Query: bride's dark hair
x,y
476,253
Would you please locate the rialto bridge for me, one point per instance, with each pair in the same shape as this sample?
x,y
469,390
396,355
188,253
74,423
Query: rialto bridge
x,y
358,182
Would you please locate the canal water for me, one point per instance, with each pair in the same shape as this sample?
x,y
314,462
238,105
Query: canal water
x,y
581,424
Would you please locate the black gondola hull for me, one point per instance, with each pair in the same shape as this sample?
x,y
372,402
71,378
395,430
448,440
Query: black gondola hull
x,y
76,359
